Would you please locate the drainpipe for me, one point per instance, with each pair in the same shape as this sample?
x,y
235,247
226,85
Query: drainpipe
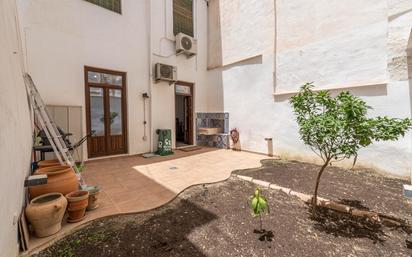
x,y
150,50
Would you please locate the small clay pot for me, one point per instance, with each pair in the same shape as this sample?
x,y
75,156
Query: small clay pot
x,y
78,201
48,163
60,179
93,198
46,212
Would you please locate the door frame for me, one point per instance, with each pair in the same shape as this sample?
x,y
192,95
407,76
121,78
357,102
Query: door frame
x,y
192,103
87,85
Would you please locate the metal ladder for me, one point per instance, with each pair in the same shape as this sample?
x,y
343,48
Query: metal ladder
x,y
60,149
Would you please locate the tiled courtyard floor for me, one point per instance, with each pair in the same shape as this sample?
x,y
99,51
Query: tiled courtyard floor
x,y
134,184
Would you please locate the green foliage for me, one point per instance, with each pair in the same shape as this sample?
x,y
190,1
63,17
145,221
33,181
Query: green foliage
x,y
259,203
80,167
335,128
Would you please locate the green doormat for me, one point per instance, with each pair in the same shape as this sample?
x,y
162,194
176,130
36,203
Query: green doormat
x,y
164,145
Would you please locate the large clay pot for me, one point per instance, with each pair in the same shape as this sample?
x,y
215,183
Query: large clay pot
x,y
61,179
48,163
93,198
78,201
46,212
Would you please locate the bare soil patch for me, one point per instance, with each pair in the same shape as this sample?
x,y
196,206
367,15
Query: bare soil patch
x,y
215,220
358,188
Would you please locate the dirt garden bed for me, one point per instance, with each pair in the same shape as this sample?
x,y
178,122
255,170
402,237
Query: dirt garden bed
x,y
359,188
215,220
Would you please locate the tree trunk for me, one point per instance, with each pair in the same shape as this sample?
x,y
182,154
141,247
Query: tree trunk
x,y
315,195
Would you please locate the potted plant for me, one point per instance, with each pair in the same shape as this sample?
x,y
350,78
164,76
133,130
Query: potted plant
x,y
93,191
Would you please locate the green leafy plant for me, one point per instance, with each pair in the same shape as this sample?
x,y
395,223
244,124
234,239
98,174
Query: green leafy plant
x,y
79,166
259,205
335,128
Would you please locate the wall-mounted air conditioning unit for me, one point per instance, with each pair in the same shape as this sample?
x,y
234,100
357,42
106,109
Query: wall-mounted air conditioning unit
x,y
186,45
164,72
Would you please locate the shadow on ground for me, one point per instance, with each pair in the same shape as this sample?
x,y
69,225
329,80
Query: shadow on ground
x,y
346,225
164,233
349,226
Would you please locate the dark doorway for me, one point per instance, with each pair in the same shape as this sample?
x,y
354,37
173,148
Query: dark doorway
x,y
106,112
184,113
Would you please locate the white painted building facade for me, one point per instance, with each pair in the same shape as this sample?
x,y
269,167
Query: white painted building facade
x,y
360,46
62,37
252,56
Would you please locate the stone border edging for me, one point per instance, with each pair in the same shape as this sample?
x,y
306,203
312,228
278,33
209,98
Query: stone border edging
x,y
288,191
374,216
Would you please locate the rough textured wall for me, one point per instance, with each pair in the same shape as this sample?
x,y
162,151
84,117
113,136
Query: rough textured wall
x,y
352,43
243,29
248,84
15,132
214,38
332,44
399,31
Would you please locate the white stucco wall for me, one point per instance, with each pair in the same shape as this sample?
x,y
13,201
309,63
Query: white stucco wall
x,y
256,52
247,43
330,42
193,70
64,36
259,47
15,132
316,41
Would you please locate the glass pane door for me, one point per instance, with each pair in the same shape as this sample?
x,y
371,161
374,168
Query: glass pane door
x,y
97,111
116,126
106,112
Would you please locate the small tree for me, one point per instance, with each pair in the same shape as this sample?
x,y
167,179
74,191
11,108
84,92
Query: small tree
x,y
259,205
335,128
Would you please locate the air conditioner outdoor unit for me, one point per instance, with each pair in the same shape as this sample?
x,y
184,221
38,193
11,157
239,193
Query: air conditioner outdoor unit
x,y
186,45
164,72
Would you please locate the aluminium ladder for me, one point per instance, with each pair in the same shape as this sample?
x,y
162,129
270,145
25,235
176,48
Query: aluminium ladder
x,y
59,146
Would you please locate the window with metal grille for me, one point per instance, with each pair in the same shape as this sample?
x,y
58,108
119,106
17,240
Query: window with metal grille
x,y
183,17
112,5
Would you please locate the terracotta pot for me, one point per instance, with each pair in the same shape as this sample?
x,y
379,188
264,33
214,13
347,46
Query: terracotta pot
x,y
48,163
46,212
78,201
61,179
93,199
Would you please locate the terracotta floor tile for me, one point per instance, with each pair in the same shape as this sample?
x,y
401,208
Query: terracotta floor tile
x,y
134,184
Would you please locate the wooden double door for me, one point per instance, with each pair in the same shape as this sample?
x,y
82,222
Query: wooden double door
x,y
106,112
